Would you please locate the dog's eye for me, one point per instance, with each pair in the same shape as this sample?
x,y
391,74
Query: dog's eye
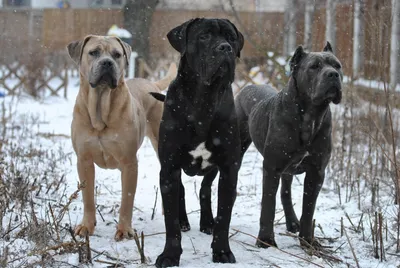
x,y
337,66
231,38
315,65
205,37
94,53
117,55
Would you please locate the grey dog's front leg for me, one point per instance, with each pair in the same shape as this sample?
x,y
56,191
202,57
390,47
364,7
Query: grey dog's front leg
x,y
312,185
226,198
292,223
268,203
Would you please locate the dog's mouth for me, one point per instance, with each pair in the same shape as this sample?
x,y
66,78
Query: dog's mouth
x,y
105,79
333,94
222,70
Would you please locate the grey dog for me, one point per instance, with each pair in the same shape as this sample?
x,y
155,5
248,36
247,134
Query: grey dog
x,y
292,130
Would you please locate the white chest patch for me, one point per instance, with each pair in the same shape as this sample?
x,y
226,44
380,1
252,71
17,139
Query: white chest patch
x,y
201,151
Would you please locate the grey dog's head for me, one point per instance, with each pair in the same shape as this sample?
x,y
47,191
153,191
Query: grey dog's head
x,y
101,59
318,75
208,46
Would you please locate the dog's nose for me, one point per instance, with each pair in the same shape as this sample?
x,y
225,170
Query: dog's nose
x,y
333,74
106,63
224,47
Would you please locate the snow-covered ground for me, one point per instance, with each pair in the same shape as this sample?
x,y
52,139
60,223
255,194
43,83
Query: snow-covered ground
x,y
56,113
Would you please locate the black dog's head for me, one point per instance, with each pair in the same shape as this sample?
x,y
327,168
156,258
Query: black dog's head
x,y
209,47
318,75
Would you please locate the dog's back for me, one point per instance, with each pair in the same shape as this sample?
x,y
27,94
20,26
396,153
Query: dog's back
x,y
249,100
251,96
140,89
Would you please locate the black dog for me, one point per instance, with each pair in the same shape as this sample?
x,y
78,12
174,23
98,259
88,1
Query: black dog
x,y
292,130
199,129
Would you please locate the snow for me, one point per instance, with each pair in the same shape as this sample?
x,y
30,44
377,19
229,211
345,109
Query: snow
x,y
196,245
370,83
119,32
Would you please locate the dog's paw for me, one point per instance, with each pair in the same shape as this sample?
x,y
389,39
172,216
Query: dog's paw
x,y
166,261
207,226
123,232
224,257
185,226
206,230
293,226
314,244
85,228
266,243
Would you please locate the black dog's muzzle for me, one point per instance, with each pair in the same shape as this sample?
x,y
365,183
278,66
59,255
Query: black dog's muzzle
x,y
224,48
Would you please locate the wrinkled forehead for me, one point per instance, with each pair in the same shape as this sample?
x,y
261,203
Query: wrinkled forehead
x,y
103,43
320,57
215,26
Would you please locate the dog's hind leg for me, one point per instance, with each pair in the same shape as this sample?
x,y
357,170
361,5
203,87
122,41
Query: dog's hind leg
x,y
292,223
206,216
183,219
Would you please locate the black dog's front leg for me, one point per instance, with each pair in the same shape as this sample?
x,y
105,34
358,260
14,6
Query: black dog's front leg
x,y
268,203
312,185
226,198
206,216
169,185
183,219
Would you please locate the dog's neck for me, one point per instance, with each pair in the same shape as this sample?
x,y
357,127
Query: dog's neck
x,y
204,92
98,102
204,100
311,116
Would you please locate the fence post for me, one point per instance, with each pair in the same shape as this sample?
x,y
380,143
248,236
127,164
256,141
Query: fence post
x,y
395,45
308,17
132,65
358,38
330,34
290,27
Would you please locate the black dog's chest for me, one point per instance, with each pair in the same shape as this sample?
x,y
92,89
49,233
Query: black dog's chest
x,y
197,160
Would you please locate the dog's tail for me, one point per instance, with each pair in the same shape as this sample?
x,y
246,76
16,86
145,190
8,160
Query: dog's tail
x,y
171,74
158,96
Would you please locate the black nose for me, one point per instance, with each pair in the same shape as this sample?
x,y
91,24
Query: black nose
x,y
332,74
224,47
106,63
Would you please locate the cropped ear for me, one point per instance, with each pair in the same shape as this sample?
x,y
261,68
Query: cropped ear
x,y
127,50
240,37
296,59
177,37
328,48
75,49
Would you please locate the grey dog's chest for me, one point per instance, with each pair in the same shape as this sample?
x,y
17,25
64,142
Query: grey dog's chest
x,y
296,163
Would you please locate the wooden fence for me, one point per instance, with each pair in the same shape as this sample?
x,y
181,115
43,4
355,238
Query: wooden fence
x,y
37,76
25,32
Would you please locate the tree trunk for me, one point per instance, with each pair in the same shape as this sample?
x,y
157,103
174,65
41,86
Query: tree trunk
x,y
330,34
137,20
395,45
308,22
290,27
358,38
